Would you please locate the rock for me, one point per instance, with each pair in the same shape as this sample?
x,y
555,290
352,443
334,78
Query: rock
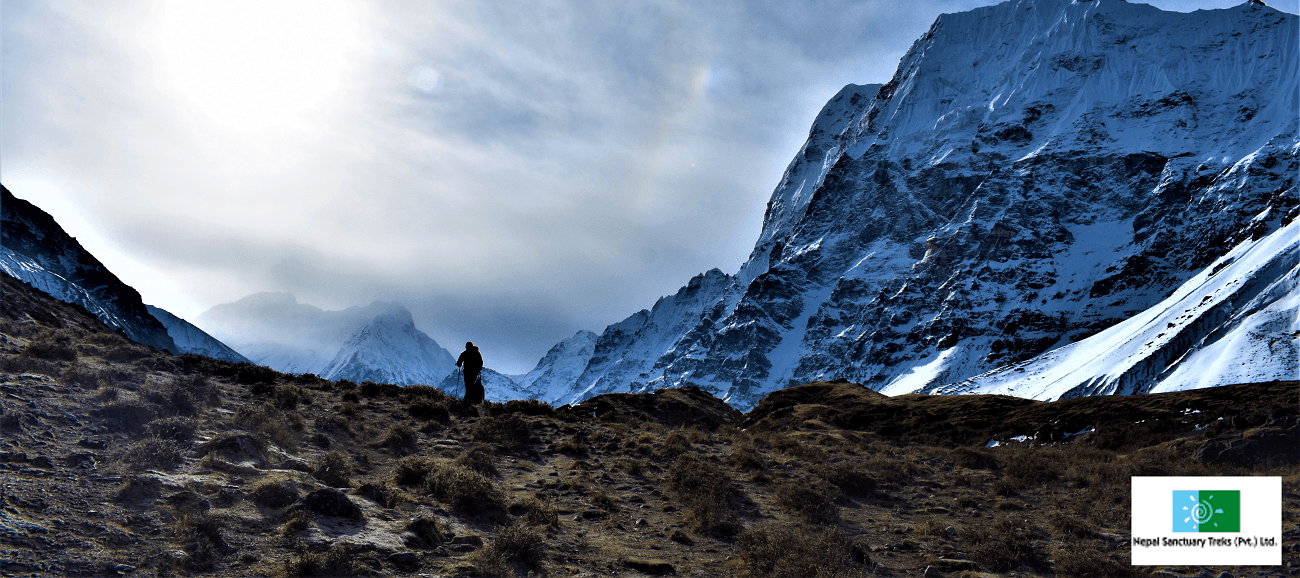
x,y
405,560
188,502
296,465
649,565
951,565
329,502
470,540
425,534
681,538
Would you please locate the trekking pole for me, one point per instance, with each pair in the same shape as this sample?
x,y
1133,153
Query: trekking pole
x,y
459,379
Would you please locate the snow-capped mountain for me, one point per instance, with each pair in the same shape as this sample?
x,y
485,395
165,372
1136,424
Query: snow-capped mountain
x,y
1035,173
563,364
35,249
1234,322
378,342
496,386
191,339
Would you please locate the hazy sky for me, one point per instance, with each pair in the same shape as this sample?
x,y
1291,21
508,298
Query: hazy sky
x,y
512,172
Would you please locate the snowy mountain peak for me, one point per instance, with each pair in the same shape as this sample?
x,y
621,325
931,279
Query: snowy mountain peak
x,y
378,342
1035,173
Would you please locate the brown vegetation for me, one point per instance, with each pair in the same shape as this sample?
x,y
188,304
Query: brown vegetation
x,y
123,460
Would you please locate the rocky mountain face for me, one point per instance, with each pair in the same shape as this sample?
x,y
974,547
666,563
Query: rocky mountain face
x,y
35,249
191,339
377,343
1035,173
562,365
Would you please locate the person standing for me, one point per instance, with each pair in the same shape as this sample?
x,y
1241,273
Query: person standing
x,y
471,361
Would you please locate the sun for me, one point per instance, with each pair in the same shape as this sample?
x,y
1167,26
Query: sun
x,y
251,65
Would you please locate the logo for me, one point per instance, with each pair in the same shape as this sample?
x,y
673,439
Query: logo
x,y
1207,510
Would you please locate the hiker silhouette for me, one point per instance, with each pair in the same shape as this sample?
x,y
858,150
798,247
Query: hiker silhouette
x,y
471,361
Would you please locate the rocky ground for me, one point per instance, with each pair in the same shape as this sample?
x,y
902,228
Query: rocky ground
x,y
119,459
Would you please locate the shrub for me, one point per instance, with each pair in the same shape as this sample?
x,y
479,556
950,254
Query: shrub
x,y
153,452
852,478
274,493
812,499
1073,560
289,396
386,495
341,559
399,439
573,445
203,541
530,407
1026,468
601,499
107,393
170,398
411,470
126,353
540,512
675,445
52,346
519,544
82,376
466,490
131,413
249,374
746,456
282,429
710,496
427,410
1004,545
780,550
199,388
333,422
333,469
478,459
975,459
509,432
179,429
633,467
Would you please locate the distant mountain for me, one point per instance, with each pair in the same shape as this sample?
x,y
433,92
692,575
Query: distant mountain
x,y
496,386
562,365
377,343
35,249
1038,178
191,339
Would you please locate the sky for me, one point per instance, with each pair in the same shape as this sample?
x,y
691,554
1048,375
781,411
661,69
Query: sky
x,y
512,172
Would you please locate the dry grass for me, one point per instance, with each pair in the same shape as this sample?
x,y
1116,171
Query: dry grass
x,y
554,492
781,550
711,498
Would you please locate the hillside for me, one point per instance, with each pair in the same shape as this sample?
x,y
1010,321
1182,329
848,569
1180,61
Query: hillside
x,y
121,459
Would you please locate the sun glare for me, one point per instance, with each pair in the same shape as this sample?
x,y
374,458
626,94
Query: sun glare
x,y
251,65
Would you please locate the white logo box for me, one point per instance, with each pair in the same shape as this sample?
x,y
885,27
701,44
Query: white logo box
x,y
1154,542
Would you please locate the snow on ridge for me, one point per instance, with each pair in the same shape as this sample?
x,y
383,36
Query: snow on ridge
x,y
1034,173
1164,348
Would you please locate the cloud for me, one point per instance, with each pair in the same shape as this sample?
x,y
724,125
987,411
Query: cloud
x,y
510,171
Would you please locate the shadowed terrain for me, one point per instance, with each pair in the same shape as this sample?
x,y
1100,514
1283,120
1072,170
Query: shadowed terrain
x,y
120,459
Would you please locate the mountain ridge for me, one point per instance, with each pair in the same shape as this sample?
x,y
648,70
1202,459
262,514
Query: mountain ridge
x,y
1035,172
